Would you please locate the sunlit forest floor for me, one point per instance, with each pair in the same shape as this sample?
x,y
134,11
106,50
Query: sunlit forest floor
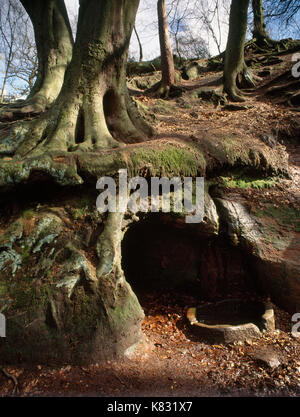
x,y
173,363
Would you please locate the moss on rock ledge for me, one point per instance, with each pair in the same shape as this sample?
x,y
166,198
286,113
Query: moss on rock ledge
x,y
61,283
169,157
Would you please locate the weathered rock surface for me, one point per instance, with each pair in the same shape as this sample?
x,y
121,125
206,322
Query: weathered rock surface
x,y
192,70
58,306
62,286
144,82
267,357
271,237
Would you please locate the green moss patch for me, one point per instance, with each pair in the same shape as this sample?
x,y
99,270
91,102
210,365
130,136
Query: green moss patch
x,y
242,179
163,107
28,214
3,290
83,206
285,216
26,294
167,161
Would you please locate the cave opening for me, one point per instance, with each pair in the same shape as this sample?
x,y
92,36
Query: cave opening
x,y
166,260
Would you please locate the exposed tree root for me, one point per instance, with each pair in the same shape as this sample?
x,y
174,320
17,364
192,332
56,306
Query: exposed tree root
x,y
234,94
12,377
161,91
22,108
294,100
286,88
290,98
244,80
78,125
270,46
93,109
54,43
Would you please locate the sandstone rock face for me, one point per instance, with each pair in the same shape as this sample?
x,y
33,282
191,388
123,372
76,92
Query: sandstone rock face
x,y
145,82
57,305
63,289
274,242
194,69
267,357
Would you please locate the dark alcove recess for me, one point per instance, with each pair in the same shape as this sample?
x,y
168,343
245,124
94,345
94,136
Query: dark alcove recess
x,y
161,254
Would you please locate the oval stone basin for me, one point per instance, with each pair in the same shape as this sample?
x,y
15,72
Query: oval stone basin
x,y
231,320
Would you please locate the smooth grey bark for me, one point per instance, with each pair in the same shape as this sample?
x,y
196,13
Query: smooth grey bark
x,y
167,61
54,43
234,58
259,30
93,109
121,309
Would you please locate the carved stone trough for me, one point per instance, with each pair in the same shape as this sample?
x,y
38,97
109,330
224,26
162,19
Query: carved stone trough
x,y
231,320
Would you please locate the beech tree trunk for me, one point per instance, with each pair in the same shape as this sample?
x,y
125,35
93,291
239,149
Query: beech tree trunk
x,y
235,66
93,109
167,61
54,43
259,31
